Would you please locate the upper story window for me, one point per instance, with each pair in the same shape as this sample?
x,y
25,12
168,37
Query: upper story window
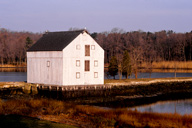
x,y
92,47
78,47
87,50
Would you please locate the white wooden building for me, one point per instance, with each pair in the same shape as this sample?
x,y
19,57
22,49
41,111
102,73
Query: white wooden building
x,y
66,58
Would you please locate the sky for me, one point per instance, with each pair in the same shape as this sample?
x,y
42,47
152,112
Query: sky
x,y
96,15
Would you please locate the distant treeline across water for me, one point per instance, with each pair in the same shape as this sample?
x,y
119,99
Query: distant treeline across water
x,y
142,46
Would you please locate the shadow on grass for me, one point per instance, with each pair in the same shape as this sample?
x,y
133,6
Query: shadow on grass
x,y
16,121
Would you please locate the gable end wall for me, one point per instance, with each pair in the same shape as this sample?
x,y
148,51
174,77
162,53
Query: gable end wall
x,y
71,54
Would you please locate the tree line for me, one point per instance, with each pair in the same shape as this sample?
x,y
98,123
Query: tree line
x,y
141,46
146,46
13,46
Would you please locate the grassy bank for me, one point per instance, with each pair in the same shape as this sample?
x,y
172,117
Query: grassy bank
x,y
87,116
114,81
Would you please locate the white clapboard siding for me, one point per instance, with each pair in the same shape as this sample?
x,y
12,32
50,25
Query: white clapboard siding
x,y
38,70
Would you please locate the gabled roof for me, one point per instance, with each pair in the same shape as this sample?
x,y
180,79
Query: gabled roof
x,y
55,41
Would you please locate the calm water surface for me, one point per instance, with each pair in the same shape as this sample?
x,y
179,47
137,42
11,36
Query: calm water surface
x,y
13,76
153,75
20,74
180,106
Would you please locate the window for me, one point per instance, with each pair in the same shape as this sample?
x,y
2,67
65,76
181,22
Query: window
x,y
87,65
77,75
95,63
78,47
78,63
48,63
87,50
92,47
95,74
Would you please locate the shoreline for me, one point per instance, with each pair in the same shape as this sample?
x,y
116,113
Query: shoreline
x,y
112,93
80,112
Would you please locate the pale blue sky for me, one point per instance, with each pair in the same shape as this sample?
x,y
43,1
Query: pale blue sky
x,y
96,15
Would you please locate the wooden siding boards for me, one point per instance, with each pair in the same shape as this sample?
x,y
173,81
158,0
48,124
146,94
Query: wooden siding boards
x,y
37,70
62,69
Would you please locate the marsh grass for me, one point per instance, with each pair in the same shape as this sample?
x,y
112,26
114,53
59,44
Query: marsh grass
x,y
97,117
13,83
13,65
169,65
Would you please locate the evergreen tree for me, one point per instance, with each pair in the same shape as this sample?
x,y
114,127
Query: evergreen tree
x,y
126,64
28,43
94,35
113,67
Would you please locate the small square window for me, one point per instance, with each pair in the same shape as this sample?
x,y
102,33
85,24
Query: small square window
x,y
78,47
92,47
95,74
95,63
48,63
77,75
78,63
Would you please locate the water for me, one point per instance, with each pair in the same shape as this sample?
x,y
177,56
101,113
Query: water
x,y
13,76
180,106
152,75
20,74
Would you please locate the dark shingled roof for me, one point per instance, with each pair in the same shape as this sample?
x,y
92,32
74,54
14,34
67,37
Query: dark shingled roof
x,y
55,41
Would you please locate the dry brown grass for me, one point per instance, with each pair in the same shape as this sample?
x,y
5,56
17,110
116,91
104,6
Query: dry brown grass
x,y
35,106
137,119
12,66
96,117
169,65
128,118
1,103
12,84
7,66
